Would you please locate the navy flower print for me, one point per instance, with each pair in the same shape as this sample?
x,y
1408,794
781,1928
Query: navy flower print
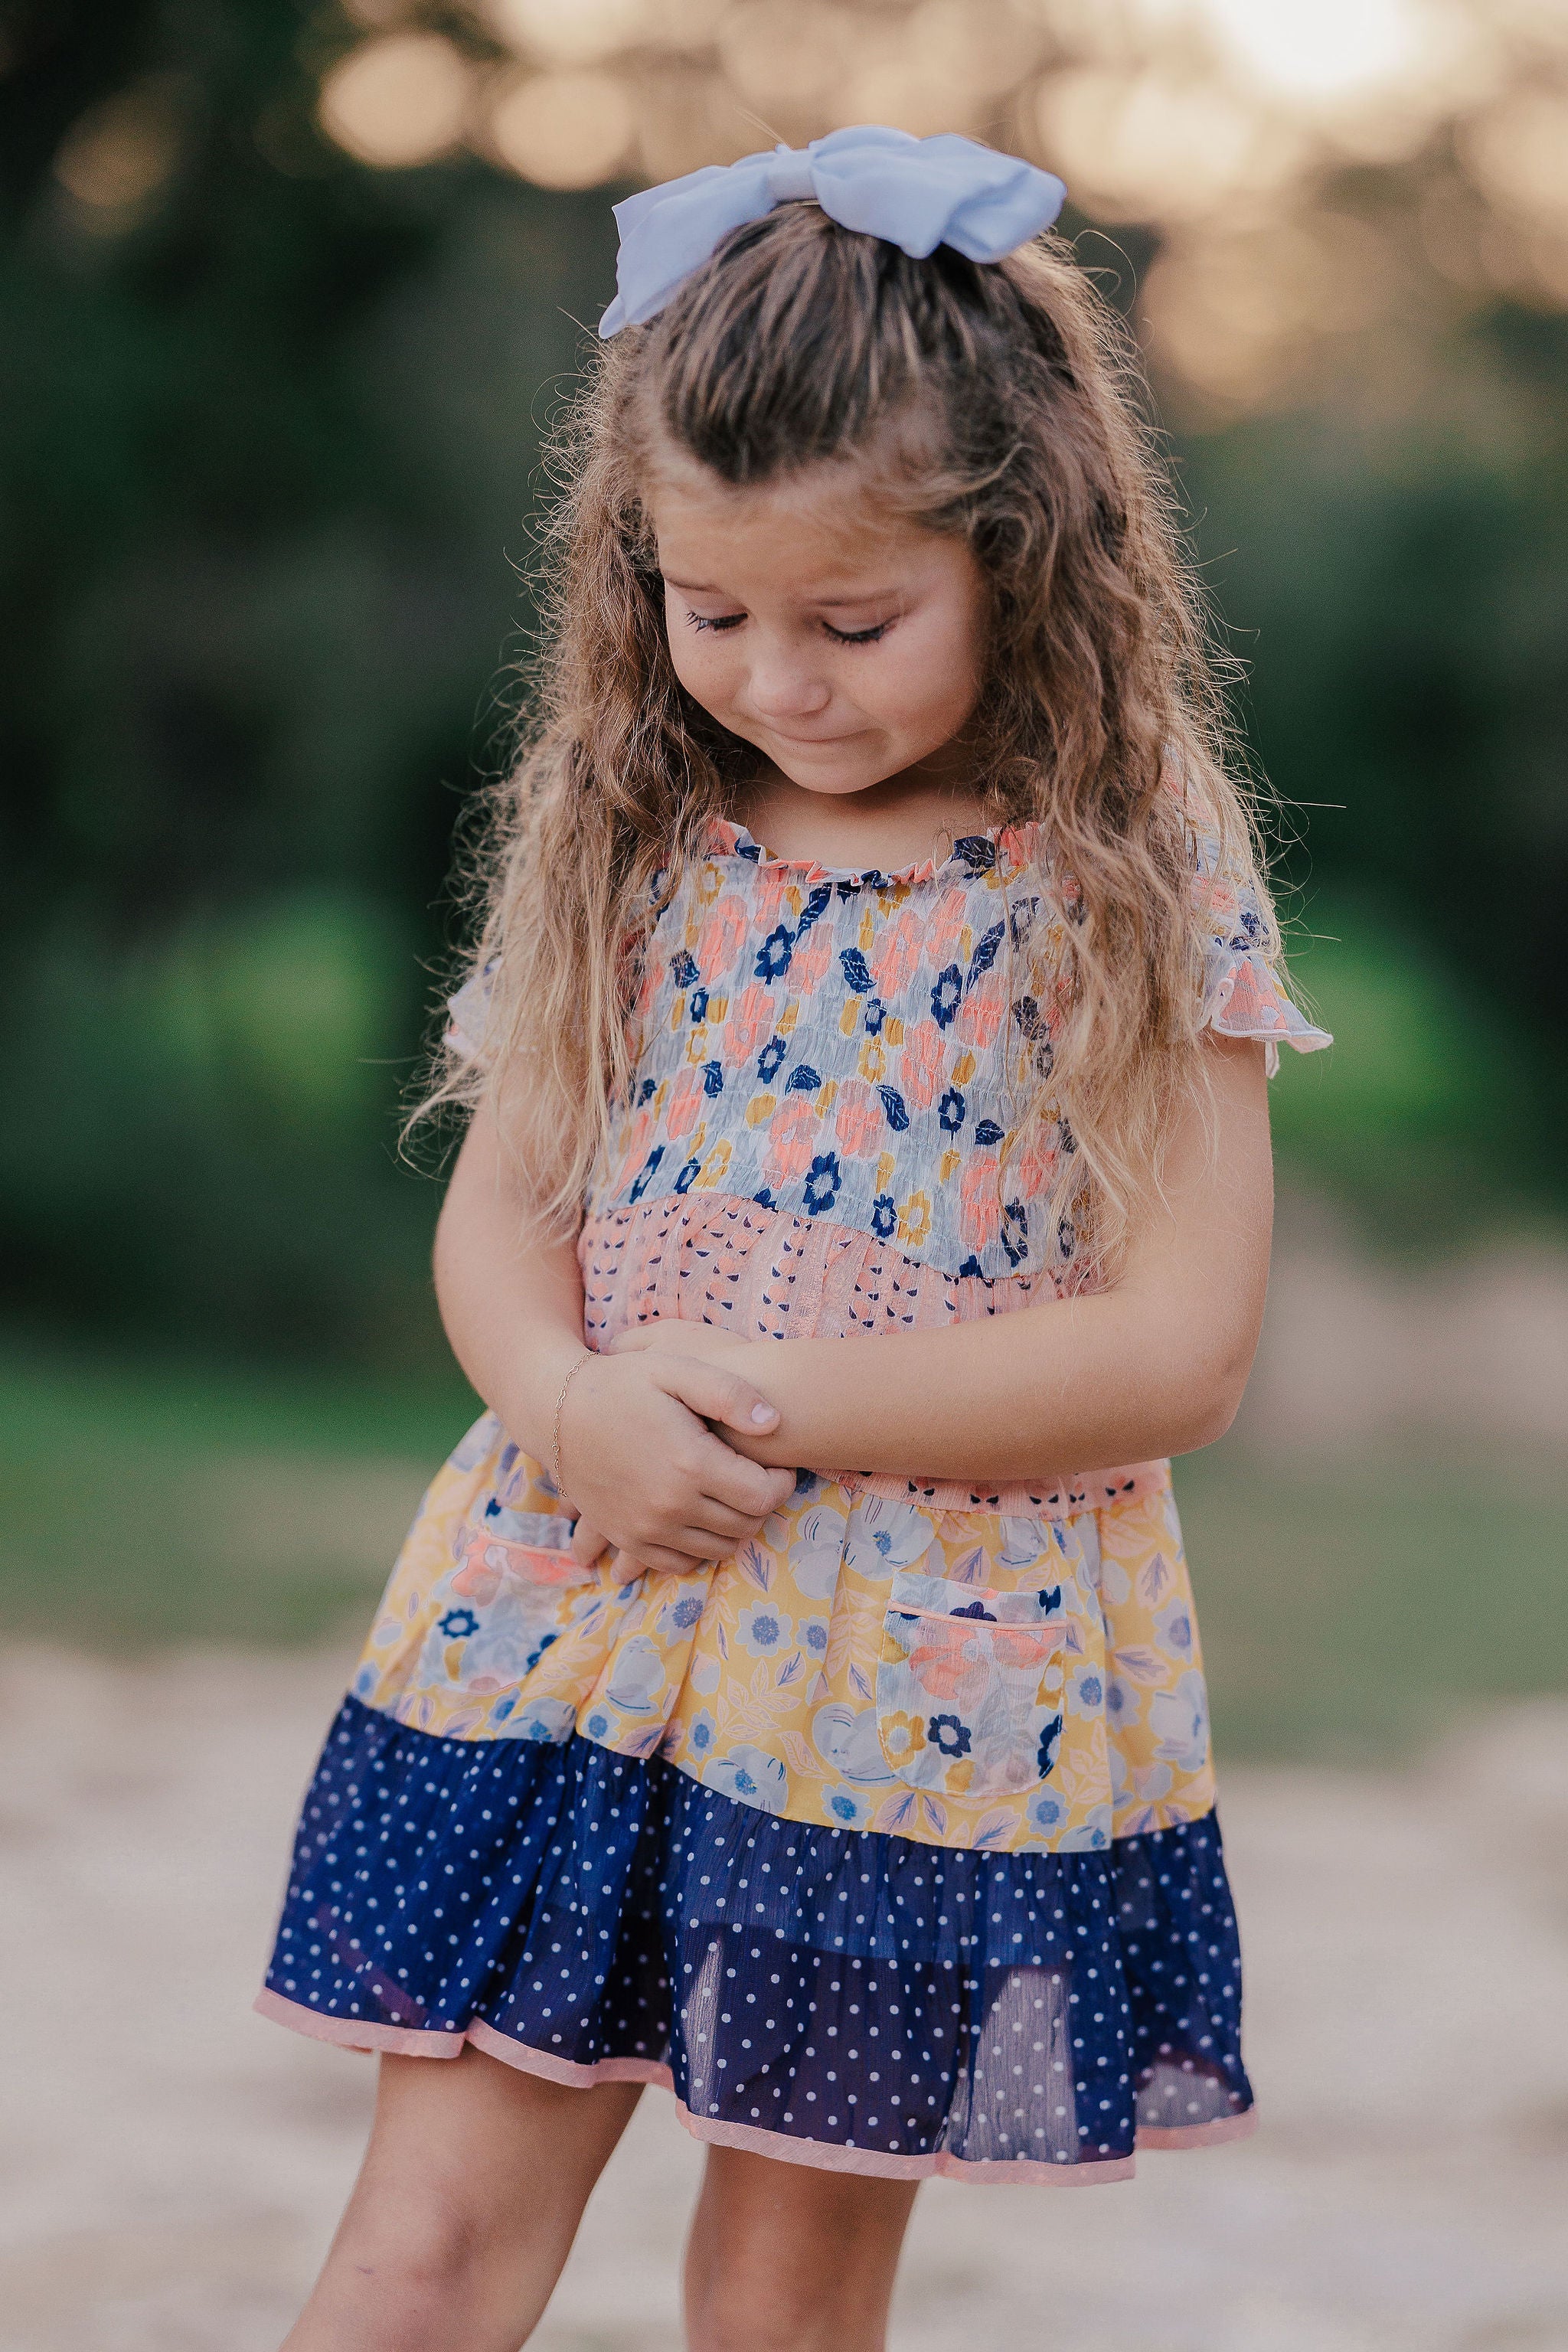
x,y
948,1734
645,1175
774,955
984,955
978,852
458,1624
947,995
1050,1741
822,1184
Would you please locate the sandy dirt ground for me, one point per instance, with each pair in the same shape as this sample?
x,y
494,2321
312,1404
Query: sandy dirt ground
x,y
171,2167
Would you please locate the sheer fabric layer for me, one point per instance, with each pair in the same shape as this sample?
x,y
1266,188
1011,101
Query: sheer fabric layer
x,y
841,1999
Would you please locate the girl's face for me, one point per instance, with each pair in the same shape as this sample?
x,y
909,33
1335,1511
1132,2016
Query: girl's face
x,y
844,642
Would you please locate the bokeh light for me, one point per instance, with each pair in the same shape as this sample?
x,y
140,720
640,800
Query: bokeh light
x,y
1321,49
564,130
1220,125
117,157
398,100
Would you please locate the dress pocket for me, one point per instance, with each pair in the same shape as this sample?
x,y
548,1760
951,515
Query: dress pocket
x,y
513,1593
496,1545
968,1686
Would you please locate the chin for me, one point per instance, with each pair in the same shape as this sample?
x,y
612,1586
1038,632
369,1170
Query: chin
x,y
823,774
837,787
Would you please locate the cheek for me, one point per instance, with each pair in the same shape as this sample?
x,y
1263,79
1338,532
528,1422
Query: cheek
x,y
700,662
931,680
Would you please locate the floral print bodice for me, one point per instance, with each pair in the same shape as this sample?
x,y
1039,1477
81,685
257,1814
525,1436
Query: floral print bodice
x,y
856,1049
850,1046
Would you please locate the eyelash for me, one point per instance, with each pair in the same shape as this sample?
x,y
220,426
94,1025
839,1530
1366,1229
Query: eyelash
x,y
839,636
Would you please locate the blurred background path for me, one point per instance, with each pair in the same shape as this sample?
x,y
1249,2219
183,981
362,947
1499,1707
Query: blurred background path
x,y
172,2166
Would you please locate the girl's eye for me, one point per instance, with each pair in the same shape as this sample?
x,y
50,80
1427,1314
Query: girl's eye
x,y
723,621
858,637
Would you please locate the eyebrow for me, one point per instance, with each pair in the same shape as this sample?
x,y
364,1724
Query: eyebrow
x,y
705,588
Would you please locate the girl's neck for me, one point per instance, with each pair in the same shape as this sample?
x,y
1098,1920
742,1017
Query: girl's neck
x,y
901,821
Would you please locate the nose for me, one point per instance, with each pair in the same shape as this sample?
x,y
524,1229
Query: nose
x,y
783,685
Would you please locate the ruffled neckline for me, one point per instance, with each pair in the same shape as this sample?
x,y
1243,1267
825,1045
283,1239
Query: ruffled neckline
x,y
1002,851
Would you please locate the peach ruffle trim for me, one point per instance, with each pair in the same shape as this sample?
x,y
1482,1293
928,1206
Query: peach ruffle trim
x,y
822,2156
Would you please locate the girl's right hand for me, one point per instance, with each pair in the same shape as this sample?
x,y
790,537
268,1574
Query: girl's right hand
x,y
648,1476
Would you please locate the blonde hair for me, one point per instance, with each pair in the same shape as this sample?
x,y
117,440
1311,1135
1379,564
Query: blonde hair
x,y
1000,404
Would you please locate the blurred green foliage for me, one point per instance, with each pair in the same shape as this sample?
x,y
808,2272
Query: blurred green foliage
x,y
267,446
1398,586
1425,1115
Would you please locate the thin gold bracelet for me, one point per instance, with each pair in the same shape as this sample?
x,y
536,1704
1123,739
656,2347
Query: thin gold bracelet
x,y
585,1357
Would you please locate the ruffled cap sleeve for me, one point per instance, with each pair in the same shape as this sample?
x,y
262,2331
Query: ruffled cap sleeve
x,y
1243,993
467,1019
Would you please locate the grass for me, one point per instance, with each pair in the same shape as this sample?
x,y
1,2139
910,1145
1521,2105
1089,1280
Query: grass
x,y
1349,1608
1355,1608
143,1503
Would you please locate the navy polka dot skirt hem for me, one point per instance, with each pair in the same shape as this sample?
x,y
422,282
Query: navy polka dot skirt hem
x,y
834,1997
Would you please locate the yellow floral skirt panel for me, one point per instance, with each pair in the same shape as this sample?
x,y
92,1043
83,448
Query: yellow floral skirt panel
x,y
963,1678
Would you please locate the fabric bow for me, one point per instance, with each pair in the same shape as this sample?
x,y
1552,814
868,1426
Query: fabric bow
x,y
917,193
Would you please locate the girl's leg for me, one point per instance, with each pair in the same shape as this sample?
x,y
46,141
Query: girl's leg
x,y
783,2258
464,2208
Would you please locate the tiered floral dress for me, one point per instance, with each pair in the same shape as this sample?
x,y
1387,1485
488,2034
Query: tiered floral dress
x,y
889,1842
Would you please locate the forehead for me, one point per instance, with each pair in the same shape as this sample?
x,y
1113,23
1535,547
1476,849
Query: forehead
x,y
823,523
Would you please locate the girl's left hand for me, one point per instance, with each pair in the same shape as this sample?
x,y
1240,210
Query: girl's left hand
x,y
666,1335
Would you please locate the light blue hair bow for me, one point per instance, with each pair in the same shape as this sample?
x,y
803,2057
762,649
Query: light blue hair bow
x,y
917,193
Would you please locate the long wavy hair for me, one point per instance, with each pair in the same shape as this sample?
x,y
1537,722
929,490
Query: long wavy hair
x,y
1001,403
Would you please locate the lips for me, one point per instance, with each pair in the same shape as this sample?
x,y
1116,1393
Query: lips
x,y
812,742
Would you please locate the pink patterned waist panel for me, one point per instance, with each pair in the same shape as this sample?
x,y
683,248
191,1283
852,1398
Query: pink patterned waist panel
x,y
764,1274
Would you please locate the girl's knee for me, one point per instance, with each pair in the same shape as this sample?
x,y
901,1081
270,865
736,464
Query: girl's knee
x,y
813,2304
727,2315
422,2254
401,2283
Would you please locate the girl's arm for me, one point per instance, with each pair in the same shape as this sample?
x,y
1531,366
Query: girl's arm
x,y
637,1457
1155,1366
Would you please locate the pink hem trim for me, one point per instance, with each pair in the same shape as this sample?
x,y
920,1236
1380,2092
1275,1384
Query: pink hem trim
x,y
529,2060
821,2156
348,2033
825,2155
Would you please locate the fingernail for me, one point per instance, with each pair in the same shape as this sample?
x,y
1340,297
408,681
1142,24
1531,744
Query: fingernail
x,y
763,1413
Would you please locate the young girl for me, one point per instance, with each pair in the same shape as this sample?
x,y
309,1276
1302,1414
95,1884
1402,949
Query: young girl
x,y
868,1132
